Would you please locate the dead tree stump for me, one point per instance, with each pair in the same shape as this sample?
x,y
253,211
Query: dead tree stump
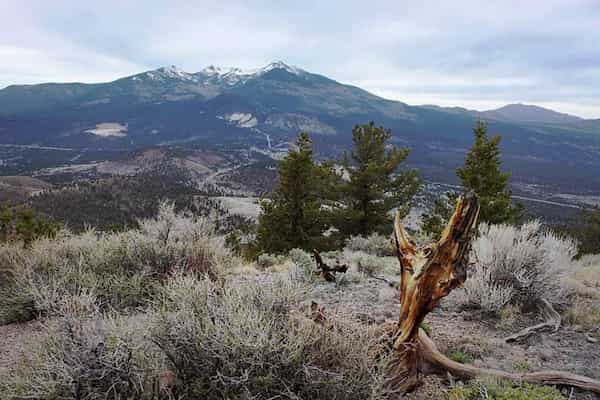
x,y
427,275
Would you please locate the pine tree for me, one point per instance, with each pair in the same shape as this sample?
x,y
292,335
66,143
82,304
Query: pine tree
x,y
481,174
25,226
374,187
433,223
29,227
294,217
587,231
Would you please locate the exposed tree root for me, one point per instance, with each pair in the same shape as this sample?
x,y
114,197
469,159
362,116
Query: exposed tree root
x,y
552,324
429,354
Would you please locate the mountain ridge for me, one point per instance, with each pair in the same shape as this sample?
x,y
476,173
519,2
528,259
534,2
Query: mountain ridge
x,y
515,112
267,107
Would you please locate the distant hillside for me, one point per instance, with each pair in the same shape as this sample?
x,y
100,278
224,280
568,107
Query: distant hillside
x,y
266,108
530,114
18,188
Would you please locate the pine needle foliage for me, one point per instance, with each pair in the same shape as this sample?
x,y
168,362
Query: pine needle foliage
x,y
481,174
296,215
375,186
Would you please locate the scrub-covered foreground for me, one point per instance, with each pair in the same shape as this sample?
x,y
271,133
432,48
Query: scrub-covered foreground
x,y
167,311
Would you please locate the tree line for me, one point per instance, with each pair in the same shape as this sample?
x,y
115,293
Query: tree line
x,y
320,204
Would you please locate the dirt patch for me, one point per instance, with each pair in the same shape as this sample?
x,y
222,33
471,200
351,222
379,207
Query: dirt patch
x,y
13,339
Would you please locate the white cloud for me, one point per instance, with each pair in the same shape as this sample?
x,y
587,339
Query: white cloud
x,y
33,65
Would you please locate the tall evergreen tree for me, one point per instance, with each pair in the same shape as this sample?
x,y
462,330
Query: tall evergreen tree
x,y
375,186
587,231
294,216
434,222
481,174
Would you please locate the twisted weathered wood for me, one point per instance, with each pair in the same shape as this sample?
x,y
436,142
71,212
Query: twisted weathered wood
x,y
434,358
427,275
551,324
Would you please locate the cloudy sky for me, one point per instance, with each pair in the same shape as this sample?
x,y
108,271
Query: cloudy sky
x,y
477,54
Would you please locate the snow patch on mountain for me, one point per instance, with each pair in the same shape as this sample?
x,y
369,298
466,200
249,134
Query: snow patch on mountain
x,y
232,76
166,73
241,119
299,123
213,74
281,65
108,129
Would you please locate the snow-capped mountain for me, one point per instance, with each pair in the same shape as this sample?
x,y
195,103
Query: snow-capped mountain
x,y
215,75
268,106
233,75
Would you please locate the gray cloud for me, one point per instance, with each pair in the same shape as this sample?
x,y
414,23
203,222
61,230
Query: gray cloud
x,y
467,53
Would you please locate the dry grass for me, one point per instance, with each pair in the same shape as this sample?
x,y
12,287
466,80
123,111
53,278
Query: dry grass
x,y
508,316
193,333
588,275
585,281
584,313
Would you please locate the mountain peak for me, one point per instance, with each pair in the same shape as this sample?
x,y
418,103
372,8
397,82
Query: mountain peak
x,y
176,73
528,113
171,69
211,70
164,73
233,75
281,65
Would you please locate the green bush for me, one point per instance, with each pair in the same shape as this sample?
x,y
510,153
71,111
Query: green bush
x,y
504,390
426,327
24,226
522,365
460,356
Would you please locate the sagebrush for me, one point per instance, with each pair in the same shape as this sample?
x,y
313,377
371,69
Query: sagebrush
x,y
516,265
375,244
107,270
214,340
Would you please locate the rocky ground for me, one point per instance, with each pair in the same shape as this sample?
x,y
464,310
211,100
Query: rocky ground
x,y
481,339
